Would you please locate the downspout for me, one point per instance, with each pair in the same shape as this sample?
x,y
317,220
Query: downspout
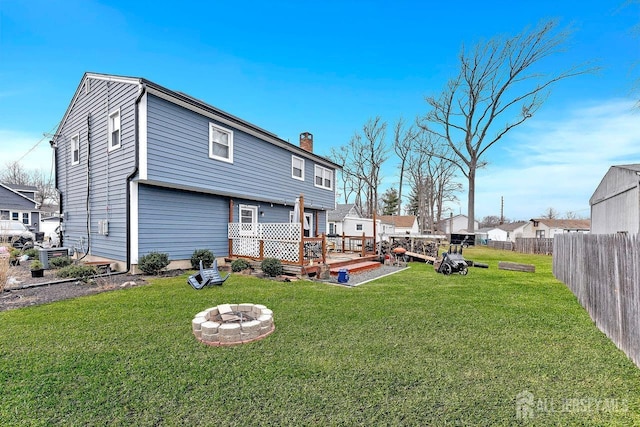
x,y
54,147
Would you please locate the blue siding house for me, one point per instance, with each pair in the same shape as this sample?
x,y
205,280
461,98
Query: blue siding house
x,y
142,168
17,202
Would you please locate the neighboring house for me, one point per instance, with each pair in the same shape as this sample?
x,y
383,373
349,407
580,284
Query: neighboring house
x,y
400,224
142,168
513,230
456,224
492,233
346,218
547,228
615,206
17,202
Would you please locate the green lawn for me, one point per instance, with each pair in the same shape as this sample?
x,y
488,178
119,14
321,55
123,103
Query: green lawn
x,y
414,348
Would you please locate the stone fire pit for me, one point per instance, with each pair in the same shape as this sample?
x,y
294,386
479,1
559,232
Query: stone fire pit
x,y
230,324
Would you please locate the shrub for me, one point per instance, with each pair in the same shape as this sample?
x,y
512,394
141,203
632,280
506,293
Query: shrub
x,y
153,262
239,265
272,267
60,262
36,265
204,255
80,272
31,253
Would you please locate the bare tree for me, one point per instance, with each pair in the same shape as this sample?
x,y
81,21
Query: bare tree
x,y
496,90
432,180
375,155
403,139
46,194
361,162
15,173
550,213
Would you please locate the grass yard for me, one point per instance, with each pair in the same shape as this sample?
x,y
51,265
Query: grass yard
x,y
414,348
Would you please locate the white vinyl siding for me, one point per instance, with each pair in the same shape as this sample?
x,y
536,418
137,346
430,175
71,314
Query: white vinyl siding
x,y
75,149
114,130
323,178
220,143
297,168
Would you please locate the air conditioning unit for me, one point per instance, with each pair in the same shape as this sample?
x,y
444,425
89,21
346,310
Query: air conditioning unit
x,y
46,254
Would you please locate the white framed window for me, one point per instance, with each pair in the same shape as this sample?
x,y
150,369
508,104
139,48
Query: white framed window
x,y
75,149
248,220
358,227
220,143
297,168
114,130
23,217
323,178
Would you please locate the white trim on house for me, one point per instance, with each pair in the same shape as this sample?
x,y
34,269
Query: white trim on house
x,y
300,167
215,139
75,149
133,221
114,125
324,174
143,144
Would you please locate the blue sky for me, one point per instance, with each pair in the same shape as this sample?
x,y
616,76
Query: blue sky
x,y
327,67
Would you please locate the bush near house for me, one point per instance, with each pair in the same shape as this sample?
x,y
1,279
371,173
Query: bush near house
x,y
81,272
239,265
153,262
204,255
60,262
272,267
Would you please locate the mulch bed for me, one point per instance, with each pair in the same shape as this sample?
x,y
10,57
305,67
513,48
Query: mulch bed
x,y
22,290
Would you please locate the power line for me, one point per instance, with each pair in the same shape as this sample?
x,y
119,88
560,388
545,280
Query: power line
x,y
45,136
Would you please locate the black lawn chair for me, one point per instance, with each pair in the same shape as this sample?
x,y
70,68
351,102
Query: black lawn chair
x,y
207,276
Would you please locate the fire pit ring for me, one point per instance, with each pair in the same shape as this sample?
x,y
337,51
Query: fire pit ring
x,y
231,324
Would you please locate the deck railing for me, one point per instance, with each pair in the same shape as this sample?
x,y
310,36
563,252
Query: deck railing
x,y
284,241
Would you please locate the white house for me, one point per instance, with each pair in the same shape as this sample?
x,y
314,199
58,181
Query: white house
x,y
456,224
547,228
346,218
400,224
513,230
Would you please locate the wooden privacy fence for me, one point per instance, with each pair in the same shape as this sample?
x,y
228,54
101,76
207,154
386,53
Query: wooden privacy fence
x,y
603,272
534,245
496,244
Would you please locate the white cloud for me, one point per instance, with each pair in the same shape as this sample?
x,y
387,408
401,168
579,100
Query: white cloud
x,y
558,161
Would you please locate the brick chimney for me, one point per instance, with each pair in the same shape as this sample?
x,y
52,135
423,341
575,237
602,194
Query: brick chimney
x,y
306,141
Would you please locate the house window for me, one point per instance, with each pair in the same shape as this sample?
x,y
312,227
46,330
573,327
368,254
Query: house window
x,y
248,220
539,234
114,130
15,216
332,228
323,178
25,218
75,149
220,143
297,168
358,227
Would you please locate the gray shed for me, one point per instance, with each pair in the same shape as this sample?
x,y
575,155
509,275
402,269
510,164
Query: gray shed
x,y
615,205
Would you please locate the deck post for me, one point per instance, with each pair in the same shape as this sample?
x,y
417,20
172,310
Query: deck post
x,y
230,222
343,236
364,249
324,248
301,219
